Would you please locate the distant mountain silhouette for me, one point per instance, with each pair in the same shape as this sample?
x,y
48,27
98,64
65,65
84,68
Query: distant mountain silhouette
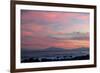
x,y
57,49
81,49
54,49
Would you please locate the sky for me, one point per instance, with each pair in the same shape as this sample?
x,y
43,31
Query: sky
x,y
44,29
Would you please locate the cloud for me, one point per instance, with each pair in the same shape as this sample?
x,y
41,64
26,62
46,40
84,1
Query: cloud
x,y
45,17
42,43
43,29
71,36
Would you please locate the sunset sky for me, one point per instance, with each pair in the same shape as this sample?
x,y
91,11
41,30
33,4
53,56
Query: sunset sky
x,y
44,29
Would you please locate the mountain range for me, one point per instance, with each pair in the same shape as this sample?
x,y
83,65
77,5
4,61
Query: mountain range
x,y
55,49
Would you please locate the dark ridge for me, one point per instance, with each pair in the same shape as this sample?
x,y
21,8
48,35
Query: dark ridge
x,y
85,57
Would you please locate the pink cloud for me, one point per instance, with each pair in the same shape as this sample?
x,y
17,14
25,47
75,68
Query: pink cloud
x,y
38,42
35,32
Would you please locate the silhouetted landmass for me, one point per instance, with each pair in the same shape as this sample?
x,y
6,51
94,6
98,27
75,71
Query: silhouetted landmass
x,y
54,49
54,54
57,58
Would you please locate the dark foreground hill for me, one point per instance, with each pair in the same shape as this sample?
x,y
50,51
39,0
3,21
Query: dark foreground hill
x,y
54,54
55,59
